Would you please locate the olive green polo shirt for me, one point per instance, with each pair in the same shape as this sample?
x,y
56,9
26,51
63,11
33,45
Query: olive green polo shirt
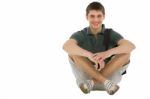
x,y
88,41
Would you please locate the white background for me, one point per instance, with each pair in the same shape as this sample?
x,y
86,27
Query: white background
x,y
32,33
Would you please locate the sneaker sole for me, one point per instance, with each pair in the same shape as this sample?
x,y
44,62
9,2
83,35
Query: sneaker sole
x,y
113,92
83,89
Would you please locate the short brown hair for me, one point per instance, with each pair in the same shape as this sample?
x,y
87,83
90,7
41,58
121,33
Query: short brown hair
x,y
95,6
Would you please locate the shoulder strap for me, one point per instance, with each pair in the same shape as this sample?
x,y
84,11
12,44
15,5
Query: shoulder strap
x,y
84,30
107,38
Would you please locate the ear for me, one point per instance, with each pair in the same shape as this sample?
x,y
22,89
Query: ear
x,y
104,17
86,17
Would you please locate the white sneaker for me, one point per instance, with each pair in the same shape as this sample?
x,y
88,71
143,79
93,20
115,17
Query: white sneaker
x,y
87,86
110,87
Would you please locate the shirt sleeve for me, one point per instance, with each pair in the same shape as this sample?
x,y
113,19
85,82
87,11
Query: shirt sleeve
x,y
78,36
115,37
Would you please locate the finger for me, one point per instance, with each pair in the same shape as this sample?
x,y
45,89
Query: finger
x,y
94,55
95,58
98,66
100,59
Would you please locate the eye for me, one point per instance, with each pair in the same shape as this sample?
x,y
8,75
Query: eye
x,y
92,16
99,16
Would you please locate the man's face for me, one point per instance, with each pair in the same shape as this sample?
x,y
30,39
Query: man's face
x,y
95,18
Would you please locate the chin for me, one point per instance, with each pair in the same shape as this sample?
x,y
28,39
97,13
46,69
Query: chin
x,y
96,27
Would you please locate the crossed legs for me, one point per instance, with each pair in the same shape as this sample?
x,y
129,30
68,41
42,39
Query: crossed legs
x,y
113,65
100,77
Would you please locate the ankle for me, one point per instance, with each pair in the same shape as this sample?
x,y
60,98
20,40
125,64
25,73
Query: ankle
x,y
110,87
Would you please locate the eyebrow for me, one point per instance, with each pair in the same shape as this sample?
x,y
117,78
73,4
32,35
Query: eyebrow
x,y
95,15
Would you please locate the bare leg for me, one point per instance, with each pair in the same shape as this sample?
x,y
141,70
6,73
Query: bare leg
x,y
116,63
84,64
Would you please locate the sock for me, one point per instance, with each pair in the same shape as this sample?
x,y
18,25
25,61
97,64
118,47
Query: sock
x,y
90,83
108,85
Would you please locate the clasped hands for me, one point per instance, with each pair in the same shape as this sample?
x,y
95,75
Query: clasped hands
x,y
98,59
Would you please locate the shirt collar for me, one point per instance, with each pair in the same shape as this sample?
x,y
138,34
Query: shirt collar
x,y
101,32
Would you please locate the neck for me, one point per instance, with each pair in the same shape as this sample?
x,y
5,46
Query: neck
x,y
95,31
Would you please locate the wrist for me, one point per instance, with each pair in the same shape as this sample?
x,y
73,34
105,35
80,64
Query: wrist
x,y
88,54
110,52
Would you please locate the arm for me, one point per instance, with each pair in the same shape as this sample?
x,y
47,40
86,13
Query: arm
x,y
124,46
72,48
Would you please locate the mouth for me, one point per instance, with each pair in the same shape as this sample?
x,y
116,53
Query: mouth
x,y
95,24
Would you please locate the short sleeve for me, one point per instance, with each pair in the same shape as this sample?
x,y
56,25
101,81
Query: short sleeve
x,y
78,36
115,37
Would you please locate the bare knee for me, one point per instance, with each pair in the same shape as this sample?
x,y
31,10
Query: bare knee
x,y
76,59
125,57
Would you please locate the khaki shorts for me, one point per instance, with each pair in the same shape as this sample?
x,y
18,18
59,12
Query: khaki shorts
x,y
81,76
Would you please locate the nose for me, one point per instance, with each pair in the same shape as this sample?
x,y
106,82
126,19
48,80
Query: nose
x,y
96,19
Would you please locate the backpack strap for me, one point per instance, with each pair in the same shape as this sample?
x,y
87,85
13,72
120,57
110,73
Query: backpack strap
x,y
107,41
107,38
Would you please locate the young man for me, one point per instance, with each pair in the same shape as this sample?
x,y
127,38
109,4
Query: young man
x,y
98,56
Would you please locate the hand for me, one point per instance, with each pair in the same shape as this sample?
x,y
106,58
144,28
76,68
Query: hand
x,y
101,56
99,65
91,57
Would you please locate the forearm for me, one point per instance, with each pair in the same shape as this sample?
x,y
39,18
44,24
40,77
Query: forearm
x,y
124,48
73,49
